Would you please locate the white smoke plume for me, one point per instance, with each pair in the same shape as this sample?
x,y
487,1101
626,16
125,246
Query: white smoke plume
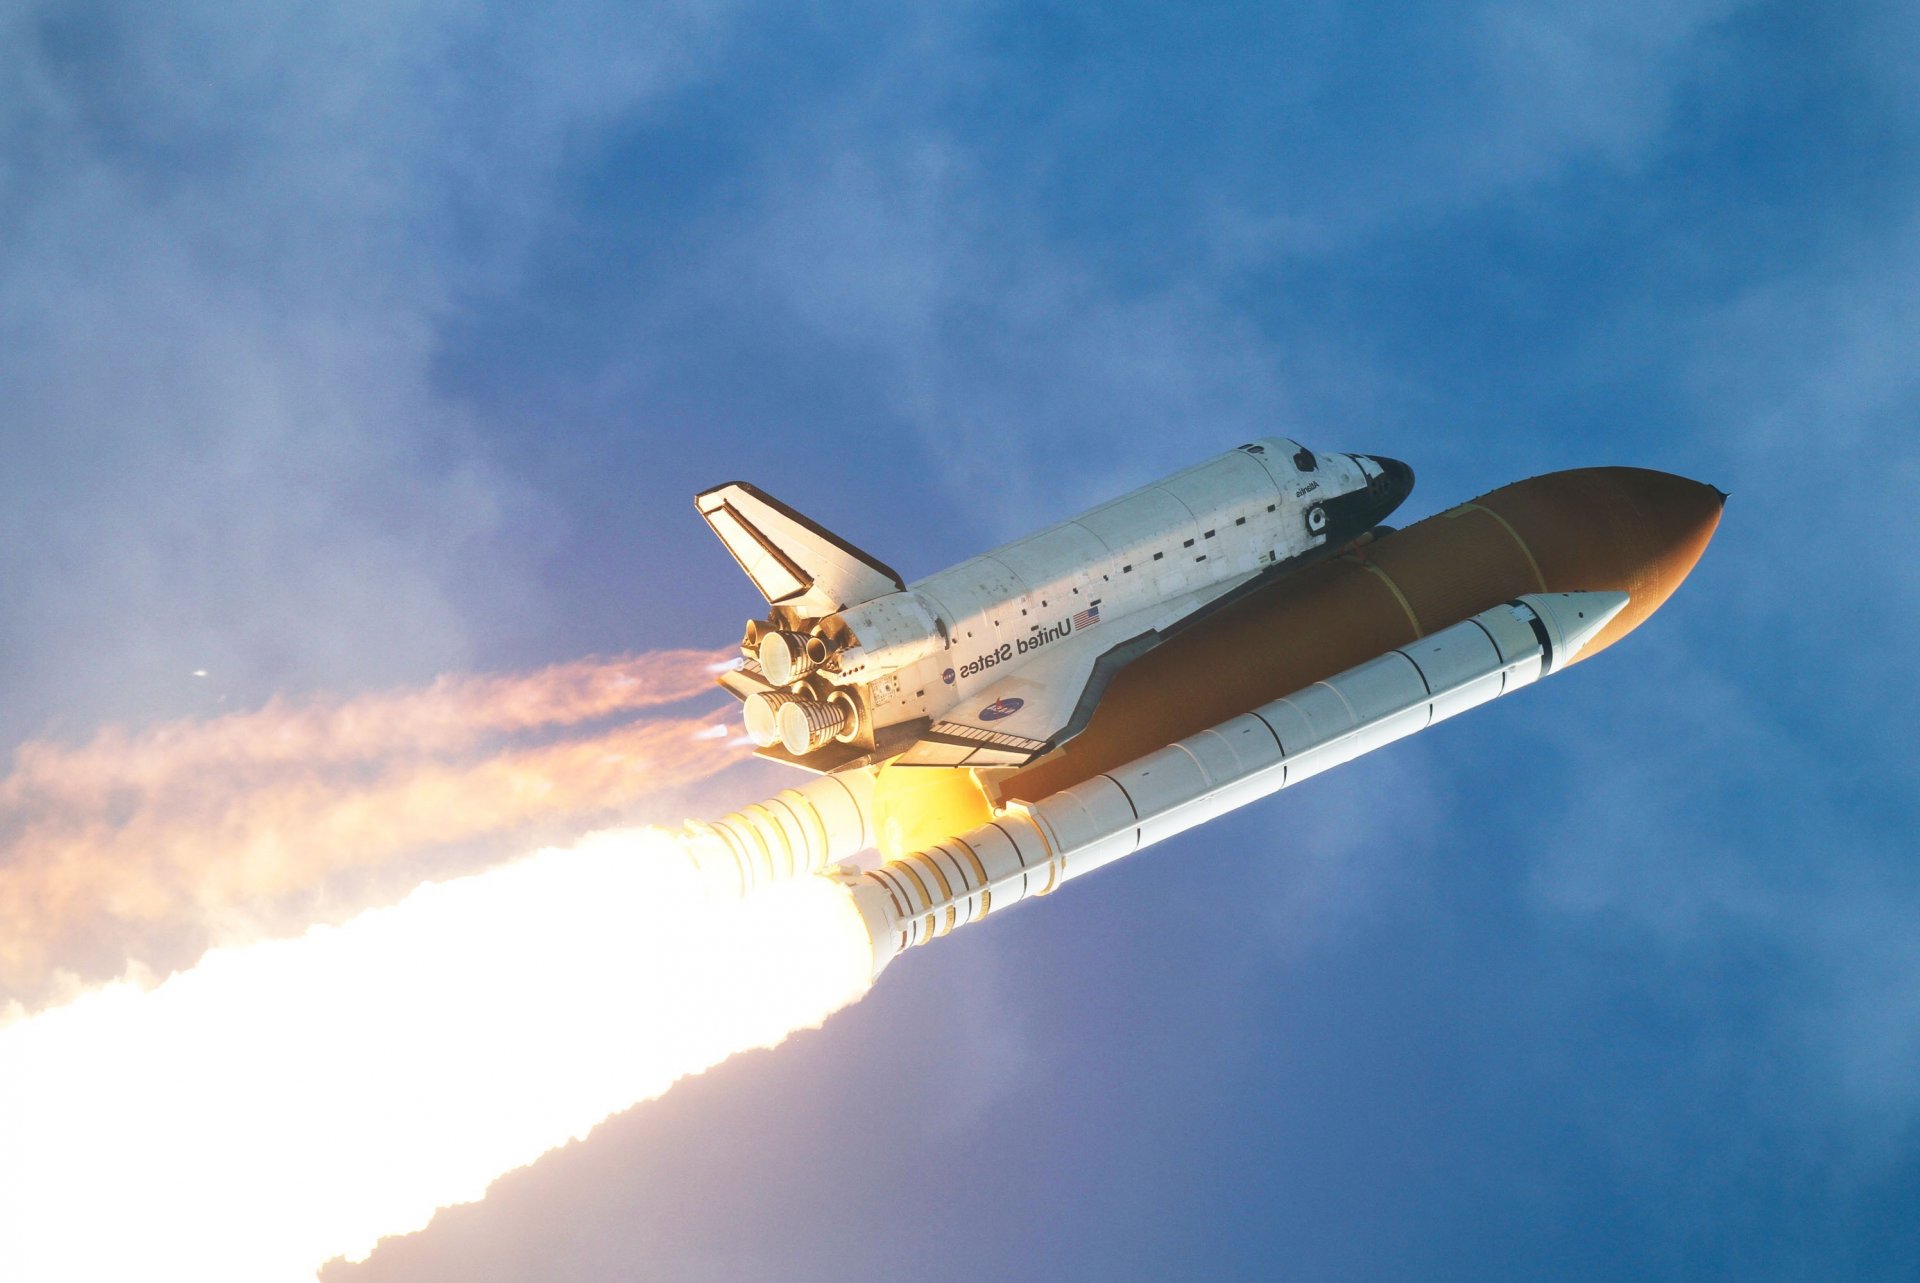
x,y
145,848
452,713
290,1102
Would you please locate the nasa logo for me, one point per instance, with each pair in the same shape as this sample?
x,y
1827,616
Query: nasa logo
x,y
947,677
1001,708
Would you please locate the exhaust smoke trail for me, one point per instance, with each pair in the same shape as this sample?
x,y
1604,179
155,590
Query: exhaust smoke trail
x,y
452,713
289,1102
143,849
211,858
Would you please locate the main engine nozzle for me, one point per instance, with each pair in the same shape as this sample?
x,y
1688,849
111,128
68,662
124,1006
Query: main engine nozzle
x,y
787,657
796,723
807,724
761,713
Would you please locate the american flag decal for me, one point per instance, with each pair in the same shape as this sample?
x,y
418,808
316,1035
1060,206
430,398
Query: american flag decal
x,y
1089,616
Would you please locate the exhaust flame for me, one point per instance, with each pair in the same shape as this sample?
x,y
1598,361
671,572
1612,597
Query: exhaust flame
x,y
451,714
289,1102
145,849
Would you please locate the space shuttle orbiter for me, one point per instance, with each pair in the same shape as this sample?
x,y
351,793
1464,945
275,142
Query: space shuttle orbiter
x,y
1003,657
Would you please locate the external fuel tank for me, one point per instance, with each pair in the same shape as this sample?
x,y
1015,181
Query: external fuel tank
x,y
1625,530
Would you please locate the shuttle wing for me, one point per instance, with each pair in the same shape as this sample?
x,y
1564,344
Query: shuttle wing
x,y
1015,719
792,561
1050,698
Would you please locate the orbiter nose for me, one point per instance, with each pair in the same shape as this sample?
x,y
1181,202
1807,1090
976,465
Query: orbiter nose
x,y
1394,483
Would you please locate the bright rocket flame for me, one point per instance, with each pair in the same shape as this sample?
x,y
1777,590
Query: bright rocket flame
x,y
145,849
219,845
450,714
289,1102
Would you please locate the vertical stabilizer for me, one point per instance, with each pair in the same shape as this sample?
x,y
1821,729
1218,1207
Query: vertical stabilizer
x,y
793,561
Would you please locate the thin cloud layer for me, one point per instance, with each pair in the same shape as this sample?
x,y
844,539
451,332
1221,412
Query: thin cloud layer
x,y
232,239
1617,974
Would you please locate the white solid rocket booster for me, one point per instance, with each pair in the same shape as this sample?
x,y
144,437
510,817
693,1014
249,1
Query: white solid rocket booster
x,y
797,831
1033,847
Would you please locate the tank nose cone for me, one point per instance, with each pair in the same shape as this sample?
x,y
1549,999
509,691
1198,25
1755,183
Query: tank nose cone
x,y
1393,484
1623,529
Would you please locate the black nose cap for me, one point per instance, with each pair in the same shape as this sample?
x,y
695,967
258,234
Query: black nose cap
x,y
1394,483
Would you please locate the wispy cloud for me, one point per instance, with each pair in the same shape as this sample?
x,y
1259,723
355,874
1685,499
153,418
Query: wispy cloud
x,y
1757,804
911,229
232,239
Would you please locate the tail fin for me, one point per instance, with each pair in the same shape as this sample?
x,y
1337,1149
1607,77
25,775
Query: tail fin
x,y
792,561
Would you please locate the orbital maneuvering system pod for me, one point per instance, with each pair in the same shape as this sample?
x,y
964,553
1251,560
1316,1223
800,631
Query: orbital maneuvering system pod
x,y
985,733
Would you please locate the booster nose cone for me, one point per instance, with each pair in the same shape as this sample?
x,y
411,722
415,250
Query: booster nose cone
x,y
1573,620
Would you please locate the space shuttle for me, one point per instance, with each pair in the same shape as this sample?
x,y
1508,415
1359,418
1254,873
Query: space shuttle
x,y
1003,658
984,735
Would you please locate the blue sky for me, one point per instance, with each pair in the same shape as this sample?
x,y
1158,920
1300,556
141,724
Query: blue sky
x,y
346,346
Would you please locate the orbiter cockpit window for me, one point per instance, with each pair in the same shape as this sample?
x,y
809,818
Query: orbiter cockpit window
x,y
1305,461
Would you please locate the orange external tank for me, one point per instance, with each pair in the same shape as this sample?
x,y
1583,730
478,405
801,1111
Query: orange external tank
x,y
1591,529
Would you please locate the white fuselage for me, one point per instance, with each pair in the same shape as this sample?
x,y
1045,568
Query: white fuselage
x,y
945,638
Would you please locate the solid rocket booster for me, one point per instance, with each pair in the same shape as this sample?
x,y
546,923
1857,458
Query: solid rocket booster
x,y
824,822
1034,846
